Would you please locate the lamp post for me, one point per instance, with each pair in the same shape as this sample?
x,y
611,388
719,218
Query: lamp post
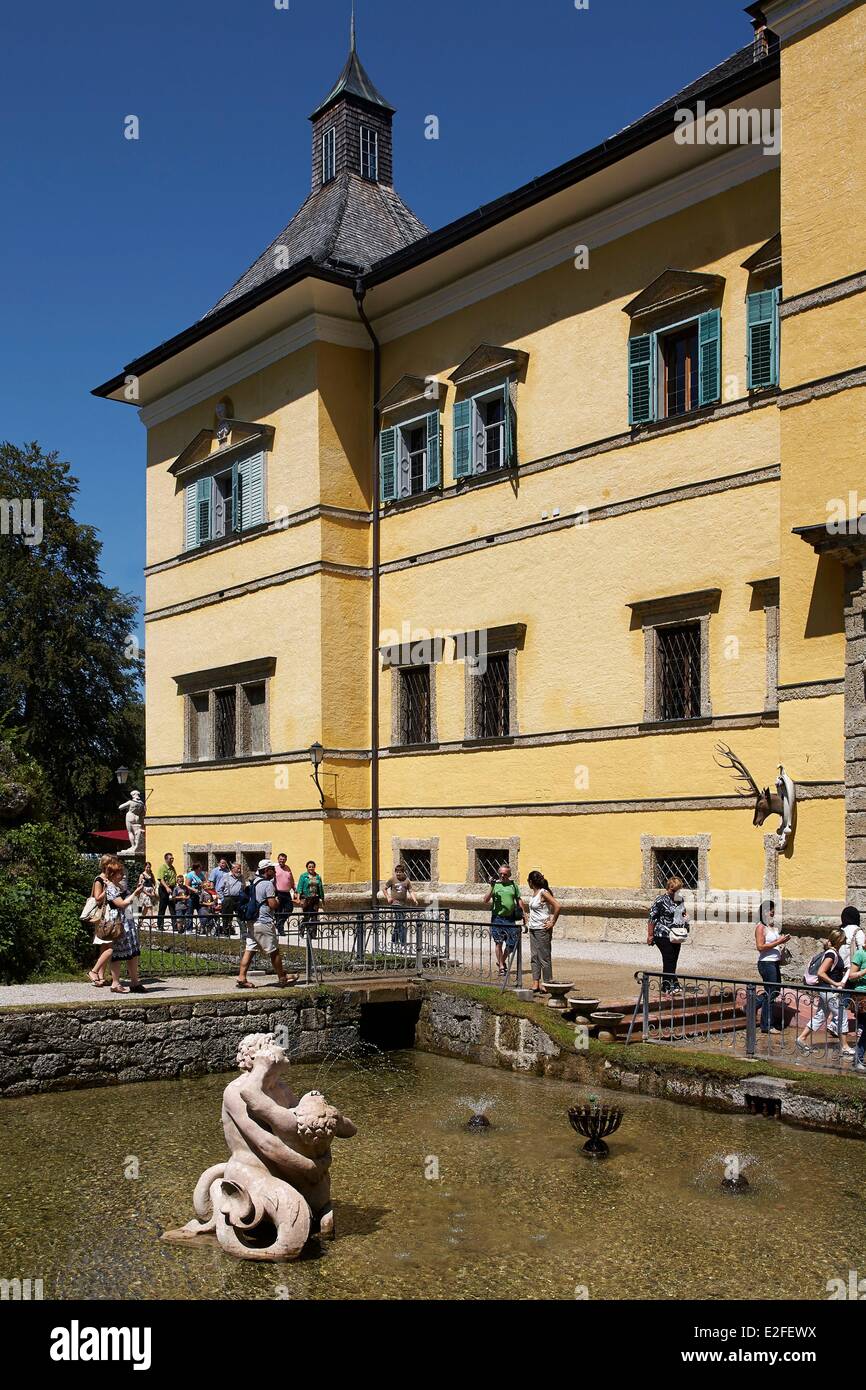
x,y
317,753
121,774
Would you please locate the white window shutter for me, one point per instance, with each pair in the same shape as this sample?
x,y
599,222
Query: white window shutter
x,y
190,517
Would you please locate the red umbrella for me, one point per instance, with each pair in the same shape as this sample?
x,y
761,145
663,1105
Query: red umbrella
x,y
117,837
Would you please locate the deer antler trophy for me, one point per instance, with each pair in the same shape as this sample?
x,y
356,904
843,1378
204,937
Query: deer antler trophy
x,y
780,803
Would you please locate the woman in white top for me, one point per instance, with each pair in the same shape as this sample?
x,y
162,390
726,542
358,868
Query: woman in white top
x,y
543,913
769,941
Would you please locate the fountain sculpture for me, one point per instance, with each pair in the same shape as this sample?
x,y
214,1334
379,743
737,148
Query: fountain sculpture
x,y
595,1122
264,1201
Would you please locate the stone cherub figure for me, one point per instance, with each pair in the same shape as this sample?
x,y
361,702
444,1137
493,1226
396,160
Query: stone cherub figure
x,y
275,1188
135,810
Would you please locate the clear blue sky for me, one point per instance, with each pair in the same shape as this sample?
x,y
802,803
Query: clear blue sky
x,y
110,246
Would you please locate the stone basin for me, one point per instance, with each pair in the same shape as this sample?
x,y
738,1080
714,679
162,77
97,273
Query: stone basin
x,y
557,994
582,1007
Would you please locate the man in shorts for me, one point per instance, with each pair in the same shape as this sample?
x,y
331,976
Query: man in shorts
x,y
262,931
507,917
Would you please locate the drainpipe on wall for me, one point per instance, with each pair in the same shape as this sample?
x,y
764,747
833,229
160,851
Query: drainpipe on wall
x,y
360,293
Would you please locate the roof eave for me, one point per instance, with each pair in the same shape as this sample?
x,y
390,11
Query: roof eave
x,y
304,270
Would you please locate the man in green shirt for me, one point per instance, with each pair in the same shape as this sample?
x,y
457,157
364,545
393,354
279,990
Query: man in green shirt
x,y
166,879
507,917
857,977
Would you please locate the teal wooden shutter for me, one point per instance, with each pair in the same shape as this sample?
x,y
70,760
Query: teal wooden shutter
x,y
462,439
388,464
510,430
762,339
203,505
434,452
236,499
709,357
190,516
641,379
252,489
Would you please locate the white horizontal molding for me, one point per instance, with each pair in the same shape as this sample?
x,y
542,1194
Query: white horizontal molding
x,y
790,17
314,328
695,186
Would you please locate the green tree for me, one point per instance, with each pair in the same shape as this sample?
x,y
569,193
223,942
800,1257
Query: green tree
x,y
70,680
43,884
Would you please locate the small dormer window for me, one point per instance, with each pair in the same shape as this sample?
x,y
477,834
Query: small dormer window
x,y
329,155
369,154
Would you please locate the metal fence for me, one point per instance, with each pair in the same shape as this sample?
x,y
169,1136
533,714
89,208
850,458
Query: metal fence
x,y
332,945
784,1023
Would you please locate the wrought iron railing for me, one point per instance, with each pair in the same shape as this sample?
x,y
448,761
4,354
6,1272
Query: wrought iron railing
x,y
331,945
809,1025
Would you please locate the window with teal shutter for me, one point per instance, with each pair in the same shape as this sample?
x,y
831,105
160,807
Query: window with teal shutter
x,y
203,502
190,526
434,452
251,476
762,319
641,379
510,427
462,438
388,464
709,357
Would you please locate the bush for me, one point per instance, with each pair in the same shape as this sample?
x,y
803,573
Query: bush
x,y
43,884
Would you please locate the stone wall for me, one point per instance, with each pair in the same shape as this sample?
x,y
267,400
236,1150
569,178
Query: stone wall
x,y
66,1047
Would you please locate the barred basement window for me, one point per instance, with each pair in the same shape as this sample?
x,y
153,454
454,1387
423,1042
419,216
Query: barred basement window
x,y
415,704
493,698
488,862
417,863
678,691
675,863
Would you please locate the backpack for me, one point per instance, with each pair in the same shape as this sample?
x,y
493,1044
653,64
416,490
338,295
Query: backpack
x,y
252,905
811,975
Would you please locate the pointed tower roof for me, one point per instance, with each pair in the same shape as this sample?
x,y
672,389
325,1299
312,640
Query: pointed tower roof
x,y
354,82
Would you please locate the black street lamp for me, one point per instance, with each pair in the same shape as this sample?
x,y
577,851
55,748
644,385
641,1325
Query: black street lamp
x,y
121,774
317,753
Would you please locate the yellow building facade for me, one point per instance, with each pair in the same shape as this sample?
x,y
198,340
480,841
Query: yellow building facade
x,y
521,518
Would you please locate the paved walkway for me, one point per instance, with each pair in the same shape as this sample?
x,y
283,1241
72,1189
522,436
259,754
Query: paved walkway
x,y
599,969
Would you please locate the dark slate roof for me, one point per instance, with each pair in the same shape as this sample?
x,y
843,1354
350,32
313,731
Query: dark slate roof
x,y
349,223
354,81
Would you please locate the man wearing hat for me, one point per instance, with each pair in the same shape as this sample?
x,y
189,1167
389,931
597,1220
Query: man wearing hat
x,y
261,930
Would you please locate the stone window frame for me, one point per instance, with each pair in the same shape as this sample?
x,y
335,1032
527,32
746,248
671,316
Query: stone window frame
x,y
239,676
397,670
474,843
650,843
674,611
472,648
220,849
399,843
766,595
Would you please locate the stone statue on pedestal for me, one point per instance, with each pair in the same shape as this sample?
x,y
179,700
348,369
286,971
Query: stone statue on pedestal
x,y
275,1189
135,812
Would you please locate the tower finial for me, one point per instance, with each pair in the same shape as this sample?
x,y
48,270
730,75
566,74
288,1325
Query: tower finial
x,y
352,32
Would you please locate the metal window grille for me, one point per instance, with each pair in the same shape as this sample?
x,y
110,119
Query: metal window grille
x,y
487,863
679,671
493,698
254,735
415,704
417,863
676,863
225,723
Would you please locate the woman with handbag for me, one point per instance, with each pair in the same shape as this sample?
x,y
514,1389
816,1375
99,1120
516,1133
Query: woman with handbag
x,y
769,941
99,914
668,928
125,945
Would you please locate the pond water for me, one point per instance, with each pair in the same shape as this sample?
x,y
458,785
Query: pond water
x,y
517,1211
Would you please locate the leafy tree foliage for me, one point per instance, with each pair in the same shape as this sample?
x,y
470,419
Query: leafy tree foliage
x,y
70,679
